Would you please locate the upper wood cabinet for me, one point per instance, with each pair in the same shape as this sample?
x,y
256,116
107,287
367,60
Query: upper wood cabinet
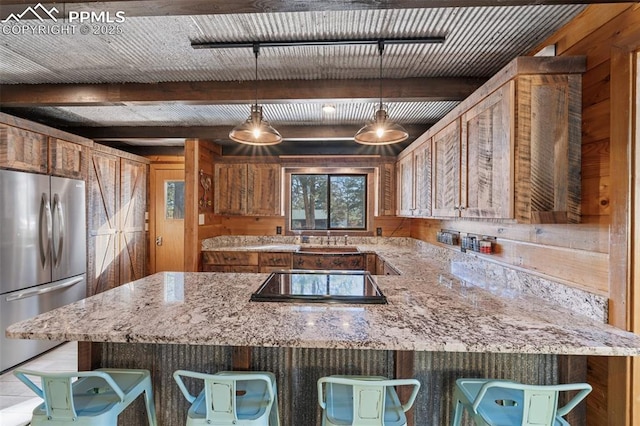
x,y
31,151
422,160
387,185
510,151
486,189
548,148
414,182
263,189
247,189
405,172
446,170
68,159
22,149
230,182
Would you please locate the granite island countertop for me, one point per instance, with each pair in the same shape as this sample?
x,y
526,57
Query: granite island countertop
x,y
428,312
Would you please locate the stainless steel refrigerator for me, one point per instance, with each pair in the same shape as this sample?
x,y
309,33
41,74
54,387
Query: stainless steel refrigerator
x,y
43,253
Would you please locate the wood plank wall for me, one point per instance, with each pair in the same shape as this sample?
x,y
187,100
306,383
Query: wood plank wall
x,y
198,156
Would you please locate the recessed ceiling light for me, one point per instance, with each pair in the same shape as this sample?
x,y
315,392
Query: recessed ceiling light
x,y
329,108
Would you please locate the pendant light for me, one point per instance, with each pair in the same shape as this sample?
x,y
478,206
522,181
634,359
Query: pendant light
x,y
381,130
255,130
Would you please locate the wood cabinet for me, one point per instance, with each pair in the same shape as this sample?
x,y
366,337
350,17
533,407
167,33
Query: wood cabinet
x,y
22,149
31,151
245,261
510,151
68,159
230,261
326,261
273,261
486,186
384,268
548,151
422,180
414,182
117,204
446,170
387,189
405,172
247,189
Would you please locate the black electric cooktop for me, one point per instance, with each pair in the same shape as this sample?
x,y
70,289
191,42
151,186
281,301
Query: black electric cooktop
x,y
319,287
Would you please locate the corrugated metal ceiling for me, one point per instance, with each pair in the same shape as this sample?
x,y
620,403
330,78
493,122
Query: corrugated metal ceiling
x,y
479,41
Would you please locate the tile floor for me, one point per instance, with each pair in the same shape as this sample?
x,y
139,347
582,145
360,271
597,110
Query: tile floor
x,y
16,400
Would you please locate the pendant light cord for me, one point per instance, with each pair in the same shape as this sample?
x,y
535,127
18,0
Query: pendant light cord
x,y
380,49
256,52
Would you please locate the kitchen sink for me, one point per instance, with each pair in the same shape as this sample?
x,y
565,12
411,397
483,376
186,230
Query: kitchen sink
x,y
329,249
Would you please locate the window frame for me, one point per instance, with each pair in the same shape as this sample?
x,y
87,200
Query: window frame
x,y
370,197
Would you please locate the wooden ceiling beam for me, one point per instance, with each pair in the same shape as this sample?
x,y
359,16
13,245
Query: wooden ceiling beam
x,y
221,133
133,8
271,91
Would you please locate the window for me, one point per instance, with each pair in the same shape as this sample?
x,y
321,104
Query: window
x,y
328,201
174,199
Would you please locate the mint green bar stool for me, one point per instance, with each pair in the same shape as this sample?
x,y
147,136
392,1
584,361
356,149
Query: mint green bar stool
x,y
503,402
235,398
364,400
96,398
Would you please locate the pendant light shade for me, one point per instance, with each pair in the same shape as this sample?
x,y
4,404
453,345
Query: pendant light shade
x,y
381,130
255,130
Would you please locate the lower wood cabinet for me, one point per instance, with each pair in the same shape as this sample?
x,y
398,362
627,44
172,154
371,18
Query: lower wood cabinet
x,y
230,261
329,261
245,261
272,261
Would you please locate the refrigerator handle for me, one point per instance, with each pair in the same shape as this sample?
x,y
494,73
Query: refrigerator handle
x,y
57,208
45,213
38,290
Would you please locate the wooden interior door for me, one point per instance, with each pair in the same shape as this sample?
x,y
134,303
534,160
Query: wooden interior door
x,y
103,264
167,212
133,205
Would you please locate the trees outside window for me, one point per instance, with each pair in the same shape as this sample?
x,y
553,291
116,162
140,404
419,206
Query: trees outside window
x,y
328,201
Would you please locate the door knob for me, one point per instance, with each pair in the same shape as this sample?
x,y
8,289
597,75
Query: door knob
x,y
159,240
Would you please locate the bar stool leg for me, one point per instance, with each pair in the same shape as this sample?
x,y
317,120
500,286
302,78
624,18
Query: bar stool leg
x,y
457,410
150,405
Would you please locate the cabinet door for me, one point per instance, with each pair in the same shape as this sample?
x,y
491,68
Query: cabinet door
x,y
263,189
422,185
103,268
548,153
230,184
387,205
487,157
22,150
68,159
133,205
446,171
405,186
